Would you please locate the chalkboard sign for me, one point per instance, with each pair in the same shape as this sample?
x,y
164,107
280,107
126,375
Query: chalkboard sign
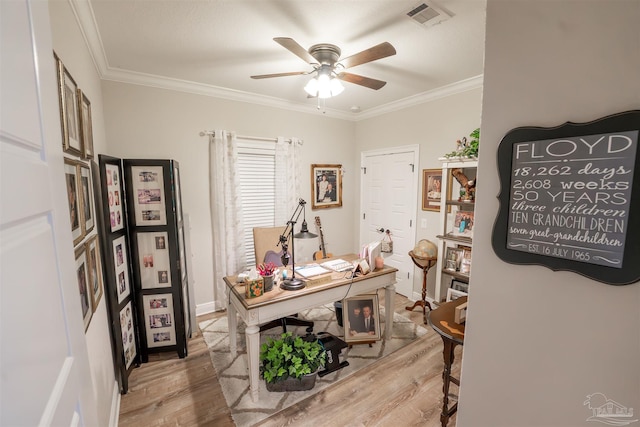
x,y
567,198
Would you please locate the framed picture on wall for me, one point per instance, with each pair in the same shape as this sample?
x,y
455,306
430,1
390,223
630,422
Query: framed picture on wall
x,y
326,186
88,203
69,118
432,189
95,270
86,129
71,172
82,274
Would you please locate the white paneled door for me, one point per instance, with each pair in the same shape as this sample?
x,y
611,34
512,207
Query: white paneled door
x,y
389,189
44,378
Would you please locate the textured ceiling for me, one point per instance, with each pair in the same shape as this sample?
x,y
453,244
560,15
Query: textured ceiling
x,y
217,45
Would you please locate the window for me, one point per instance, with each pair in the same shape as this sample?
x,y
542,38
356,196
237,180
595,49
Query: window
x,y
256,173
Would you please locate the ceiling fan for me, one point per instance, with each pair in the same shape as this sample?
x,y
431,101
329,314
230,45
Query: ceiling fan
x,y
329,68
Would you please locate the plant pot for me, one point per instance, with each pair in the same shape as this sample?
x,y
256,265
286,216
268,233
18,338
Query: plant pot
x,y
307,382
268,282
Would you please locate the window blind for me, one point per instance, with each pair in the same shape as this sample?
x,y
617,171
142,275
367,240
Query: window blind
x,y
256,172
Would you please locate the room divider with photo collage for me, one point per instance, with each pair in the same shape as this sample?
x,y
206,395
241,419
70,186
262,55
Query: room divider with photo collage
x,y
144,260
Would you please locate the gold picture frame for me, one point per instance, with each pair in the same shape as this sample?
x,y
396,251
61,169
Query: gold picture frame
x,y
354,314
69,116
431,190
86,126
326,186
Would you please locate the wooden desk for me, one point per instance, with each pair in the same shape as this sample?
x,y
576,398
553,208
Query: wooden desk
x,y
280,303
452,334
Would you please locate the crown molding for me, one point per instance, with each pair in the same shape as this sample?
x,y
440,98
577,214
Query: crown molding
x,y
86,21
421,98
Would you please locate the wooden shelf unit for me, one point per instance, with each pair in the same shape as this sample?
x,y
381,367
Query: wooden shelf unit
x,y
446,236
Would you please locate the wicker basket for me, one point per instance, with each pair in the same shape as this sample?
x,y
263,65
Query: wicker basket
x,y
307,382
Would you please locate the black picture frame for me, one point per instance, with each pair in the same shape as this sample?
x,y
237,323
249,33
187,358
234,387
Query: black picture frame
x,y
623,126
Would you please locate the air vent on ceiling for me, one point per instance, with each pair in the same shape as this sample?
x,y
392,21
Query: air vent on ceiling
x,y
428,14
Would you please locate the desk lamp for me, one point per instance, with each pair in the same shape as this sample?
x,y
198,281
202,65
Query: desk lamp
x,y
294,283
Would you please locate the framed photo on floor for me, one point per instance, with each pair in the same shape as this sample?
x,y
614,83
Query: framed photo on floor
x,y
326,186
361,318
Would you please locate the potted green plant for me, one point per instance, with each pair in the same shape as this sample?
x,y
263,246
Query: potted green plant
x,y
291,363
467,149
267,271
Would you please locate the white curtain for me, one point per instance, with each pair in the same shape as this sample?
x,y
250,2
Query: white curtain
x,y
226,209
287,182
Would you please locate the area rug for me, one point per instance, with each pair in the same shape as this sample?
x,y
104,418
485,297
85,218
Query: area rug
x,y
233,371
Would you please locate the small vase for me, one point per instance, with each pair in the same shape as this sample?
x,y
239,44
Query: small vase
x,y
268,282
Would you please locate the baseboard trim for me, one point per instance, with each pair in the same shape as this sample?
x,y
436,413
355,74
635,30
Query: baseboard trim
x,y
115,406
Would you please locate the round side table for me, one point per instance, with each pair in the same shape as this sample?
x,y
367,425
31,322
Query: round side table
x,y
424,264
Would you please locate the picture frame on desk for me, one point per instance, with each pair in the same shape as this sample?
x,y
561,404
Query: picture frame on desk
x,y
326,186
453,294
354,322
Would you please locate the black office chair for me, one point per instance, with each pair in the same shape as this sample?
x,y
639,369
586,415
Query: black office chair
x,y
265,241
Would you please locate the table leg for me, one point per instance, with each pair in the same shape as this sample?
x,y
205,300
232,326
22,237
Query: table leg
x,y
232,319
253,354
449,347
389,295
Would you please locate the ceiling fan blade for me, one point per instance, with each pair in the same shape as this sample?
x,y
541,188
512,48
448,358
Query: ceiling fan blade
x,y
292,46
377,52
268,76
362,80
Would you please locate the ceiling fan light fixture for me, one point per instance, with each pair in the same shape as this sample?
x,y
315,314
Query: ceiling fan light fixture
x,y
324,86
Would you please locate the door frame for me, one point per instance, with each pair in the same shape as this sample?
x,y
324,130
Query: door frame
x,y
412,148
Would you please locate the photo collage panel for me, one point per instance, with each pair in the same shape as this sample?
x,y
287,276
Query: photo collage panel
x,y
128,337
148,192
122,273
159,322
114,196
155,266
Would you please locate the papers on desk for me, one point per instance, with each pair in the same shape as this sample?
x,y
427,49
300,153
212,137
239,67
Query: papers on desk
x,y
338,265
311,270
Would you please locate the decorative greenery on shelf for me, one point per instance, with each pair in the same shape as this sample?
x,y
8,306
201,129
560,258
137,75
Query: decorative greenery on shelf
x,y
466,148
290,356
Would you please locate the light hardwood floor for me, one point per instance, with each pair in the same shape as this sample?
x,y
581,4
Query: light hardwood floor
x,y
402,389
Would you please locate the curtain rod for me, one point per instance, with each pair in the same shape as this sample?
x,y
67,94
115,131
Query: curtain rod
x,y
249,138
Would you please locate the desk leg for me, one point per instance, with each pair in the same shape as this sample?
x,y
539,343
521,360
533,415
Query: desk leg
x,y
449,347
253,354
232,320
389,295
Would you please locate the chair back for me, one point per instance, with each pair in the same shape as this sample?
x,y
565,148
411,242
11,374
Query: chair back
x,y
265,241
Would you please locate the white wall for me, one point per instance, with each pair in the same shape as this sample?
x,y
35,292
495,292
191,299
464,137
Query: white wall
x,y
70,46
435,126
146,122
538,342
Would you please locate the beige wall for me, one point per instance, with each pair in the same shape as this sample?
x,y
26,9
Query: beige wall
x,y
145,122
434,126
72,50
538,342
